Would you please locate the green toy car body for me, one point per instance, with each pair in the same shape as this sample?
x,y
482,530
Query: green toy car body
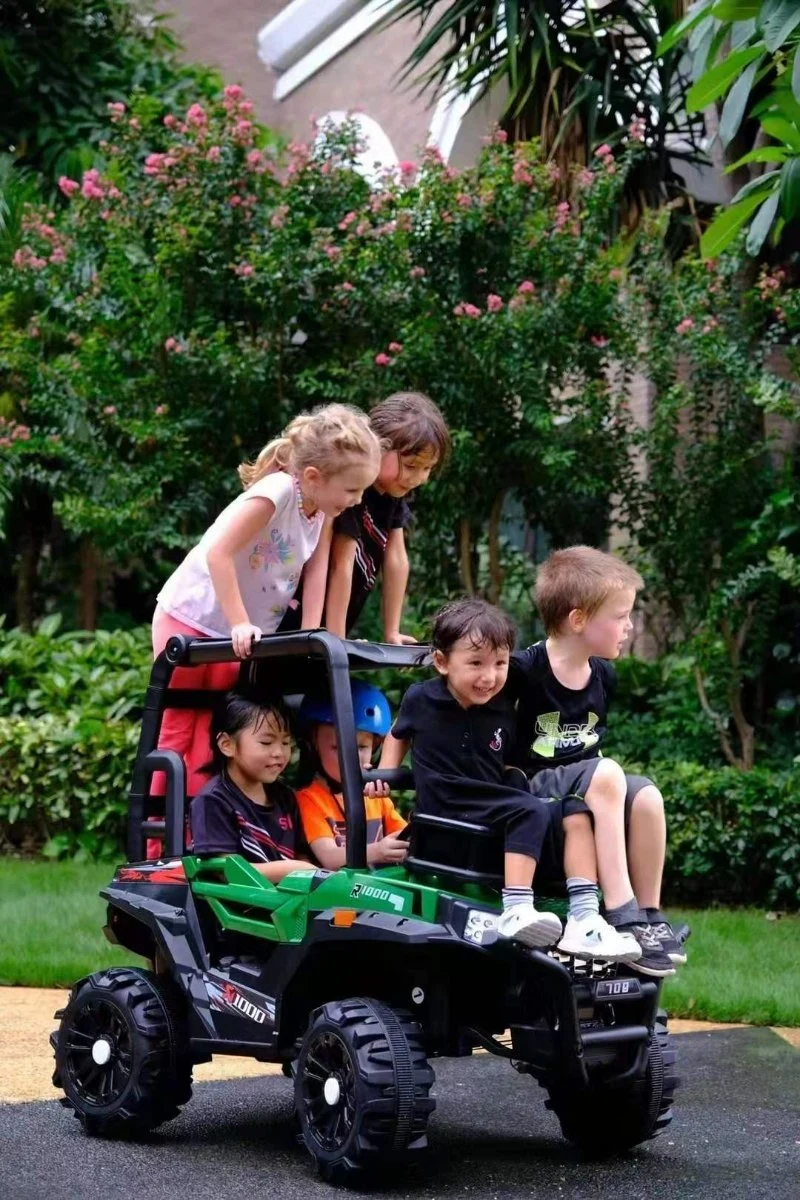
x,y
354,980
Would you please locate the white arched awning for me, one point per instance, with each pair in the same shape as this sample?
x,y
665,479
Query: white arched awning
x,y
377,154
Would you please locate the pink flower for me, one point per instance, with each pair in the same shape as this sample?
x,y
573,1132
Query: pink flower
x,y
243,131
246,107
637,129
417,272
134,123
598,340
244,269
278,219
463,200
347,219
234,201
603,151
255,160
526,287
382,360
4,441
333,252
615,274
493,302
685,325
499,136
395,347
711,324
362,227
611,167
466,310
68,186
170,121
584,178
213,154
110,410
347,286
233,92
196,115
407,170
516,302
90,185
170,344
161,409
116,109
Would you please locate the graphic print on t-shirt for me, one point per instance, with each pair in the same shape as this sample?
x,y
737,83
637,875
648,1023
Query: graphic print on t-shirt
x,y
497,740
553,737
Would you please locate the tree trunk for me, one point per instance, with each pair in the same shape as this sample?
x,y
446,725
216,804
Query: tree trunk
x,y
30,553
465,556
89,581
496,572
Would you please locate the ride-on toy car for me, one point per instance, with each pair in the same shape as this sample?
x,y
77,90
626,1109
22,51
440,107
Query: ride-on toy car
x,y
353,979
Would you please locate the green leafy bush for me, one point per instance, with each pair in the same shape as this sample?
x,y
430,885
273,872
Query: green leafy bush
x,y
64,783
732,834
101,676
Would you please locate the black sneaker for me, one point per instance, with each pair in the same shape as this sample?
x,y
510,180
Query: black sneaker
x,y
654,960
673,949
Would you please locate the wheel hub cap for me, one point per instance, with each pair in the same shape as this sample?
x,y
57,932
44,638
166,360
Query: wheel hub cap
x,y
332,1090
101,1051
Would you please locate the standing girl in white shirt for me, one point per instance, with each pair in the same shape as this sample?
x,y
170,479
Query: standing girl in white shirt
x,y
239,580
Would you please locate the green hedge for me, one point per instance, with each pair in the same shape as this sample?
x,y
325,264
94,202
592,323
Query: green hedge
x,y
67,746
64,784
733,835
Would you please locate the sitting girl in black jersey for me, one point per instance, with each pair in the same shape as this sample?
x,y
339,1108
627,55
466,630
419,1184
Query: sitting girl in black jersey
x,y
244,809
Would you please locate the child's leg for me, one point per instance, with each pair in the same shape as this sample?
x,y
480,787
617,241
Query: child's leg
x,y
586,934
605,798
647,843
526,819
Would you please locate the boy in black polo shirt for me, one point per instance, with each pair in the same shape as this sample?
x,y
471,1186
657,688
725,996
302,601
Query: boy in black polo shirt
x,y
245,809
460,725
564,687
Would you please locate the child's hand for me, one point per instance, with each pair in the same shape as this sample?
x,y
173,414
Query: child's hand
x,y
243,636
379,788
391,849
400,639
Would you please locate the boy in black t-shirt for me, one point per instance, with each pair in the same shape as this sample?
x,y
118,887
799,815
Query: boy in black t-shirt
x,y
563,688
459,726
369,539
245,809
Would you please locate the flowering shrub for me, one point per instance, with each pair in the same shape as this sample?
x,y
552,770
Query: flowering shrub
x,y
198,290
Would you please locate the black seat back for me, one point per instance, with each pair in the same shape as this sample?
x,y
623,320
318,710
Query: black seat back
x,y
460,850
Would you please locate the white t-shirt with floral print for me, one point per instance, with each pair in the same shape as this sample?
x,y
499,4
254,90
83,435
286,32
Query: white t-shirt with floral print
x,y
268,570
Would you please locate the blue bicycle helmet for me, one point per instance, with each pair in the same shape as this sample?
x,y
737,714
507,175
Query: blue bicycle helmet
x,y
370,709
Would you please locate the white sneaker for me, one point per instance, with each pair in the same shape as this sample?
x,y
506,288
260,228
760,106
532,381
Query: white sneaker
x,y
524,924
593,937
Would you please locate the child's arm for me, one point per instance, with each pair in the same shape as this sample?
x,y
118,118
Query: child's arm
x,y
388,850
395,582
243,527
340,583
315,573
394,751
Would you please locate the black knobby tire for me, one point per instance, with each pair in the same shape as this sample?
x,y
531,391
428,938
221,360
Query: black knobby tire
x,y
607,1120
375,1112
147,1075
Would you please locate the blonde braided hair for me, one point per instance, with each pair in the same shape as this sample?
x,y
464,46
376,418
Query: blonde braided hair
x,y
329,438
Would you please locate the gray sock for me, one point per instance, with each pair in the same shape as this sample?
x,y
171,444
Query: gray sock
x,y
624,914
512,896
584,899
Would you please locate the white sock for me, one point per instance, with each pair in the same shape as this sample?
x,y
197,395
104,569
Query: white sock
x,y
512,896
584,899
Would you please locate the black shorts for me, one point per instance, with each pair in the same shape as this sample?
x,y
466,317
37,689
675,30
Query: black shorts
x,y
565,788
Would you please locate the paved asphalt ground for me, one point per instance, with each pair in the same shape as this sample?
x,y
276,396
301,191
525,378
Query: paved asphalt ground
x,y
736,1136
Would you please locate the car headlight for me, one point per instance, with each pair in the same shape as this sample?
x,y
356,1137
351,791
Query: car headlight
x,y
480,927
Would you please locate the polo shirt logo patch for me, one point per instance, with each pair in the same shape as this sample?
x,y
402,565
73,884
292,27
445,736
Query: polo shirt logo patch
x,y
497,740
553,736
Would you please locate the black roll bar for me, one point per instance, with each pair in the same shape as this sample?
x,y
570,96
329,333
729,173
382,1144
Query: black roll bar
x,y
188,652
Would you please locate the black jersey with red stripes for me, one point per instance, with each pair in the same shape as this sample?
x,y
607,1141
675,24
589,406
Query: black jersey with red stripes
x,y
225,821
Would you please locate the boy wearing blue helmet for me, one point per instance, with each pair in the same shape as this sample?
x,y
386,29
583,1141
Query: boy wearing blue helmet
x,y
320,803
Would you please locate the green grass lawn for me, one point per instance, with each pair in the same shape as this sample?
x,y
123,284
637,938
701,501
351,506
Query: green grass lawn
x,y
741,966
